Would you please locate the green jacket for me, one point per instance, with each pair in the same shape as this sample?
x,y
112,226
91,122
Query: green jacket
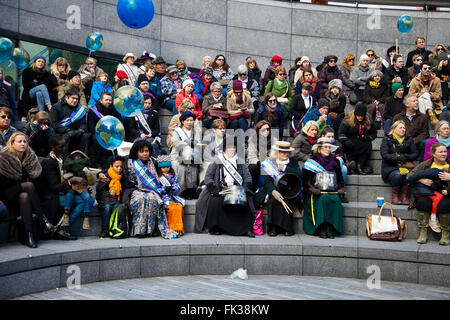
x,y
284,90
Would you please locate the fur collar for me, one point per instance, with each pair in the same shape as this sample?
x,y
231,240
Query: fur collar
x,y
11,167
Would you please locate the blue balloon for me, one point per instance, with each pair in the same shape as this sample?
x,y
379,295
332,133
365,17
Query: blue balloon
x,y
135,14
404,23
109,132
6,49
94,41
20,57
128,101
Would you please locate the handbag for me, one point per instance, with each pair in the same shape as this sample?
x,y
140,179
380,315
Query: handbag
x,y
258,224
407,165
219,113
386,228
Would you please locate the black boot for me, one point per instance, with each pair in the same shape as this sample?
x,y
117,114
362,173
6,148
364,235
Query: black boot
x,y
360,170
29,240
63,234
329,231
48,226
322,231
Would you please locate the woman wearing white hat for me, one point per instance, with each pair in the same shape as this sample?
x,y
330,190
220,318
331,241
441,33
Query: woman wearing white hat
x,y
188,93
129,68
322,184
280,218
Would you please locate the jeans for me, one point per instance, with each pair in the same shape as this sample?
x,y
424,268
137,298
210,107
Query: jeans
x,y
387,126
82,202
421,148
106,211
396,179
42,96
239,123
170,105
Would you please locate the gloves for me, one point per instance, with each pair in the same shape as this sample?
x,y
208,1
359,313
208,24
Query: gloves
x,y
277,195
315,191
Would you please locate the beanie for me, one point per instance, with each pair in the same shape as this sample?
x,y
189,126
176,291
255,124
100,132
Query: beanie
x,y
71,74
335,83
396,86
323,102
237,85
360,109
141,78
186,115
121,74
276,59
188,81
39,57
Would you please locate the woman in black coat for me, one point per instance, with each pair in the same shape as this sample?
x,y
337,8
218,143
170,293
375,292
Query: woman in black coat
x,y
397,149
299,106
356,133
18,166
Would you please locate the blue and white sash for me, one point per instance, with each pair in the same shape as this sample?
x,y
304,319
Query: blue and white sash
x,y
230,168
165,182
149,180
74,117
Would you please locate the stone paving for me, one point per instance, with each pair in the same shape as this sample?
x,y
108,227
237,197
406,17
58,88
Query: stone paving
x,y
258,287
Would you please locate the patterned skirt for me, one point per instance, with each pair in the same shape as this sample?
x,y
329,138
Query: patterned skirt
x,y
147,212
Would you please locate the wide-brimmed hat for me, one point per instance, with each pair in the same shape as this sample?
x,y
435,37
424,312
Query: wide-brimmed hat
x,y
129,54
147,55
283,146
322,142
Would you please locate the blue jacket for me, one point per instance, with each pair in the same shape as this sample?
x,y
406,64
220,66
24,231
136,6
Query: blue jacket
x,y
314,114
262,113
97,89
8,99
154,86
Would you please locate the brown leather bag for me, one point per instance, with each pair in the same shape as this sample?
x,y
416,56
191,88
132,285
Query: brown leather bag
x,y
407,165
397,235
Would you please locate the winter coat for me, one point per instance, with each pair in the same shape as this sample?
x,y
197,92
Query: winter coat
x,y
169,89
347,82
360,76
154,87
102,194
7,98
427,155
314,114
65,87
200,86
315,93
302,146
392,73
251,85
326,75
423,52
233,107
209,101
97,89
134,129
392,153
4,136
417,128
13,172
347,132
31,79
393,107
434,89
280,90
263,114
371,93
132,72
39,141
193,97
61,111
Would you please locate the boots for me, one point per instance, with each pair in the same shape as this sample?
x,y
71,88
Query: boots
x,y
445,226
395,194
49,227
329,231
29,240
422,222
404,195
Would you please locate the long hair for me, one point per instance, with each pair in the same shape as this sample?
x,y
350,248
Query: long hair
x,y
351,120
225,66
250,60
35,68
60,61
346,61
435,53
9,145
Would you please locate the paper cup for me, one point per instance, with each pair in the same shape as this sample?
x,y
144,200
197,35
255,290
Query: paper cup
x,y
380,201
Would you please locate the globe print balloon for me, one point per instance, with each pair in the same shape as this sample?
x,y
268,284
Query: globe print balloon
x,y
109,132
20,57
128,101
135,14
94,41
6,49
404,23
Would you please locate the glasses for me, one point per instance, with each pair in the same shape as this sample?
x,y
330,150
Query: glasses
x,y
332,61
282,74
5,117
272,100
265,130
419,59
190,108
353,59
75,98
43,123
370,54
242,74
180,69
440,49
220,59
426,68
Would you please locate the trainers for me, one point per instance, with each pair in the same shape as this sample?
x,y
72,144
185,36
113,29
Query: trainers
x,y
434,225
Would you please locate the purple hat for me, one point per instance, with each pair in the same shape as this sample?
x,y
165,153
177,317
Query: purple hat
x,y
39,57
186,115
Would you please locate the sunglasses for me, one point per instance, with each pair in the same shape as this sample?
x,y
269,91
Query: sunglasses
x,y
419,59
332,61
221,59
265,130
370,54
440,49
272,100
351,59
42,123
5,117
282,74
426,68
242,74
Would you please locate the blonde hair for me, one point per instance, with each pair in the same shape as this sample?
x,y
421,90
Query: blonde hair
x,y
97,78
59,62
308,126
395,125
9,145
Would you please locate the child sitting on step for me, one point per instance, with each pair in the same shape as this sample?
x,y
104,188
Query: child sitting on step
x,y
169,182
109,191
76,165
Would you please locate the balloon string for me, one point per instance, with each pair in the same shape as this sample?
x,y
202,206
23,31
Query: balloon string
x,y
114,156
89,53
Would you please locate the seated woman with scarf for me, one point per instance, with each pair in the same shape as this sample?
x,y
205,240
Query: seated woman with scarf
x,y
228,170
145,194
322,184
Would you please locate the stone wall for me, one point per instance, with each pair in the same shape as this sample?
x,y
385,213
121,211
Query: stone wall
x,y
191,29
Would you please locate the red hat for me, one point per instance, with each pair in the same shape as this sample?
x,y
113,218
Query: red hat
x,y
121,74
276,59
237,85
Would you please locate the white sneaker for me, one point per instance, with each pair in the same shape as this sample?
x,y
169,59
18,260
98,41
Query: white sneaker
x,y
434,225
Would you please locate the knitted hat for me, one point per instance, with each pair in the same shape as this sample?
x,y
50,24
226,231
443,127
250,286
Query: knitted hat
x,y
121,74
164,161
171,69
186,115
71,74
303,59
360,109
323,102
159,60
276,59
237,85
335,83
188,81
141,78
396,86
442,56
148,95
39,57
208,70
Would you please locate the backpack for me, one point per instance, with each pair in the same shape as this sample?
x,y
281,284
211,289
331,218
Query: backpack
x,y
119,225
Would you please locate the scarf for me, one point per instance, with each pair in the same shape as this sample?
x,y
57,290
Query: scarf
x,y
327,162
3,128
282,165
444,141
270,109
426,82
239,98
206,84
312,140
374,84
399,139
115,182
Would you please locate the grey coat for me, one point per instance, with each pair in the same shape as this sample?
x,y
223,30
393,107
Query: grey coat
x,y
213,180
363,75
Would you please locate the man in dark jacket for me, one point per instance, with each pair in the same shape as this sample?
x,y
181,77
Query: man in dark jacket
x,y
416,123
69,119
50,187
98,155
420,49
396,73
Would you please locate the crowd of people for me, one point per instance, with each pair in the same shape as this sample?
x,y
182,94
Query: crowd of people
x,y
226,145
